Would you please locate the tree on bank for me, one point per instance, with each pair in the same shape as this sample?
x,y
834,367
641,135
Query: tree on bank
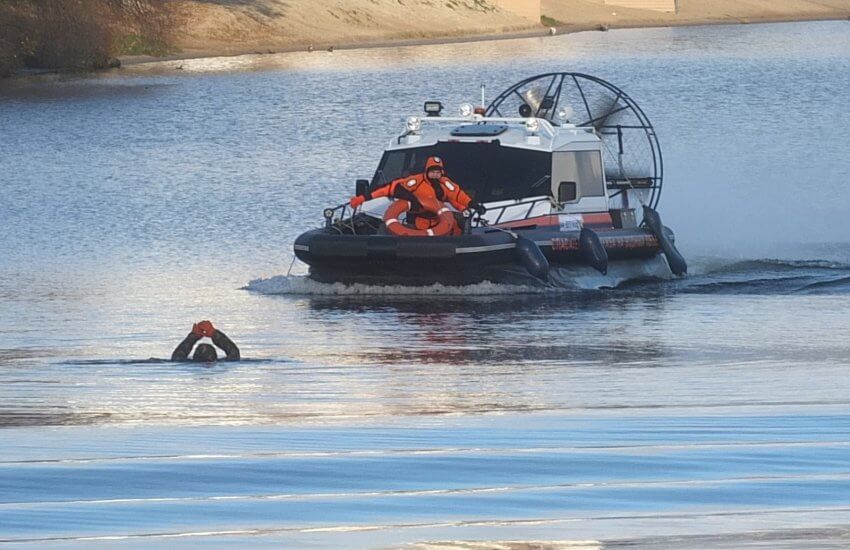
x,y
82,34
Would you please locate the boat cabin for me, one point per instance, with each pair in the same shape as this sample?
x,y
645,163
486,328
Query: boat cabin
x,y
578,146
503,161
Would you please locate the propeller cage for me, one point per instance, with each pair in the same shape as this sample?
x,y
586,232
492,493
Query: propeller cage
x,y
631,151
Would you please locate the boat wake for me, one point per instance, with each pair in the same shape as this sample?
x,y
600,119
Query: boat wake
x,y
301,285
767,276
711,276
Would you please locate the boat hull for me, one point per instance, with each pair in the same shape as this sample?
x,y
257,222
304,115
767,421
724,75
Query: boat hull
x,y
484,255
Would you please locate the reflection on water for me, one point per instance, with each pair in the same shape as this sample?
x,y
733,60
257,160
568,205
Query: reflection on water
x,y
336,358
708,411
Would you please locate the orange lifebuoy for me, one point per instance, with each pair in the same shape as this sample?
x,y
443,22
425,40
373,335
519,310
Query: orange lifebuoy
x,y
394,226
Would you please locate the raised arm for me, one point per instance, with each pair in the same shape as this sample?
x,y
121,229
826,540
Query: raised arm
x,y
221,340
181,352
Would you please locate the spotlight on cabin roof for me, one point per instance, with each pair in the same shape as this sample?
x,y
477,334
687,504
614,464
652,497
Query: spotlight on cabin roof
x,y
433,108
414,124
466,109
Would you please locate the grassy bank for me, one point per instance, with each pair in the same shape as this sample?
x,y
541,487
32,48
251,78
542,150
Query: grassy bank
x,y
81,34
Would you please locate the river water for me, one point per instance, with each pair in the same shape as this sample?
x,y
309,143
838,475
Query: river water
x,y
706,412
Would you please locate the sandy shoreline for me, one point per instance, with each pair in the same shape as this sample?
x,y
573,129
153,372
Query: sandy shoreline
x,y
564,29
246,35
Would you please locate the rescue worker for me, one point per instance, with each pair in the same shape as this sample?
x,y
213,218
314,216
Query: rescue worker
x,y
205,353
430,184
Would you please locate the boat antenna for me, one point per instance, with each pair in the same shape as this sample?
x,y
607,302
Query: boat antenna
x,y
482,95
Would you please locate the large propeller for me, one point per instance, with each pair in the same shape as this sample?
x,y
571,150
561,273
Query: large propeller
x,y
631,149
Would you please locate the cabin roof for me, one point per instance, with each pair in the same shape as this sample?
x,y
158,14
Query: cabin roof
x,y
525,133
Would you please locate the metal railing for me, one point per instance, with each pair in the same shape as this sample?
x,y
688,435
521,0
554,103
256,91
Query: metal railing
x,y
481,221
336,215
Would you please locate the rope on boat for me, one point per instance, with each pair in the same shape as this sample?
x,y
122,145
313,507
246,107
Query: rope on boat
x,y
292,263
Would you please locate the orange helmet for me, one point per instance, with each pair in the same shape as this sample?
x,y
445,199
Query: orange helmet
x,y
434,162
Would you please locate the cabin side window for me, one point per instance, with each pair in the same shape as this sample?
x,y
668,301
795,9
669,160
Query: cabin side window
x,y
583,169
399,164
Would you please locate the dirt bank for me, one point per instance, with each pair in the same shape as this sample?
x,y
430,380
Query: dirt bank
x,y
593,13
43,36
234,26
227,27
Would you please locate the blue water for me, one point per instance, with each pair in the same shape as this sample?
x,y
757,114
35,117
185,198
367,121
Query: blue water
x,y
707,412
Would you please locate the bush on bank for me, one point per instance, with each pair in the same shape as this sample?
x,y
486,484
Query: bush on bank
x,y
81,34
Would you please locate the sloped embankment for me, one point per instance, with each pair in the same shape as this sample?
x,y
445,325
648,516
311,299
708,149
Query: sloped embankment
x,y
230,26
597,13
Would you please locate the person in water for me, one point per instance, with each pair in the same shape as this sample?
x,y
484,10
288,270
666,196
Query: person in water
x,y
205,353
418,188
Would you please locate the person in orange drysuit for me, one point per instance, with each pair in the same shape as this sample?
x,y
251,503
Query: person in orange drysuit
x,y
418,188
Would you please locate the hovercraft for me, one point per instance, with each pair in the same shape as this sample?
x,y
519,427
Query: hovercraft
x,y
568,167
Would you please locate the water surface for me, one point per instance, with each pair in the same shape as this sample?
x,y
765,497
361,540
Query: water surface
x,y
705,412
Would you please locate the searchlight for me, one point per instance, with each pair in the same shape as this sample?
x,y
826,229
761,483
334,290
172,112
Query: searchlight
x,y
414,124
433,108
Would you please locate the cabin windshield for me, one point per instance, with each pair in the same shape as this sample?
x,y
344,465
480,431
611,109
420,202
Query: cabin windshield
x,y
486,171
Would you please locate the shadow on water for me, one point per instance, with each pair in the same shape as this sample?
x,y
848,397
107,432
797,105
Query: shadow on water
x,y
158,361
432,302
615,354
19,419
76,88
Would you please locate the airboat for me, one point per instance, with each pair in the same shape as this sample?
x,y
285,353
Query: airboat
x,y
570,171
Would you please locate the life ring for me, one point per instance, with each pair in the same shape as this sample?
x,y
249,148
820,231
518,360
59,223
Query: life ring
x,y
445,226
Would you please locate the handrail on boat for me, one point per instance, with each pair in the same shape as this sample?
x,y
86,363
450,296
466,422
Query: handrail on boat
x,y
336,214
330,213
501,209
